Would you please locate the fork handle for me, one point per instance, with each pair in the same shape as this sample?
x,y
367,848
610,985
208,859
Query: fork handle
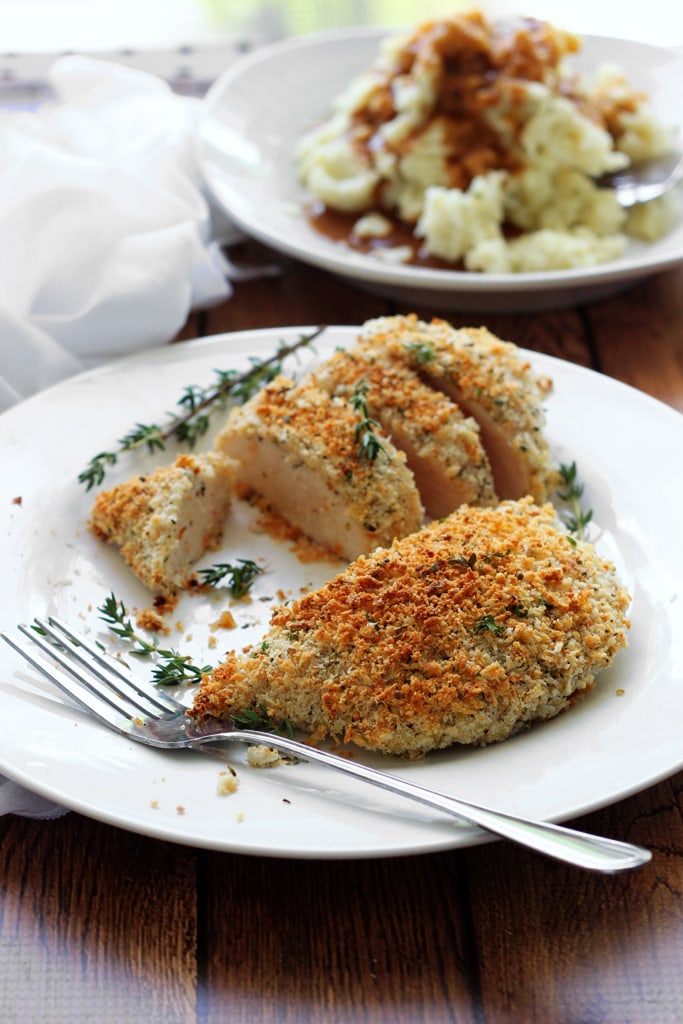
x,y
565,844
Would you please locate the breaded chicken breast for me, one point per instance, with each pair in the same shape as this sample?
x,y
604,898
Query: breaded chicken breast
x,y
490,381
442,446
164,521
464,632
303,451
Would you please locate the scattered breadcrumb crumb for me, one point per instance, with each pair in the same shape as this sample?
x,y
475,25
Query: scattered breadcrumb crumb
x,y
227,783
226,620
151,621
263,757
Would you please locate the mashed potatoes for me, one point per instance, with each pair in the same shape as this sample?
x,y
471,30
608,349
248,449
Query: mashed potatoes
x,y
476,138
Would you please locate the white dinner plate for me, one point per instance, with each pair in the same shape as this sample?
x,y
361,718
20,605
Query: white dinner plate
x,y
258,109
627,448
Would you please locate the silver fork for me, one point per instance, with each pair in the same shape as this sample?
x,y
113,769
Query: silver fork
x,y
141,711
642,182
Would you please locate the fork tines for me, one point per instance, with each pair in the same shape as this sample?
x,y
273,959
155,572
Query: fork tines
x,y
92,678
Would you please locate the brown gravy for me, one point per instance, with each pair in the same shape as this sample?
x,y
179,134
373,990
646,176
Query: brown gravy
x,y
339,227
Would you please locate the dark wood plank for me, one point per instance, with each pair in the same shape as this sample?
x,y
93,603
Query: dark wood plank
x,y
567,946
364,942
638,337
97,924
296,295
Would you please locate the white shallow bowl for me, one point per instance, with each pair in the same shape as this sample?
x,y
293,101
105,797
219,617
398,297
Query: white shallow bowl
x,y
256,112
609,745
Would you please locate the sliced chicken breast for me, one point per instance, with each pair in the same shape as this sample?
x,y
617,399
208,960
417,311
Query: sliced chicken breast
x,y
303,451
442,447
490,381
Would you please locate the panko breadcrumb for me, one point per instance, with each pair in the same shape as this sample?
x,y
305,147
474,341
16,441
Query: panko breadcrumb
x,y
464,632
489,380
300,449
164,521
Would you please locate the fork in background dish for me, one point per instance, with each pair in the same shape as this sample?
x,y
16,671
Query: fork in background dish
x,y
640,183
117,698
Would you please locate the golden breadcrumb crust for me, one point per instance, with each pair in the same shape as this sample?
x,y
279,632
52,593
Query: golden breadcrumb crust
x,y
463,632
164,521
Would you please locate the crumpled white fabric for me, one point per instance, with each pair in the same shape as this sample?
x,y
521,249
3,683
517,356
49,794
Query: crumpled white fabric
x,y
14,799
106,239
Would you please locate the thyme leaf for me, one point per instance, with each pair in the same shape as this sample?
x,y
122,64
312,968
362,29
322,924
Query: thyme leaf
x,y
488,622
171,669
369,445
422,351
241,576
259,719
464,563
195,407
575,519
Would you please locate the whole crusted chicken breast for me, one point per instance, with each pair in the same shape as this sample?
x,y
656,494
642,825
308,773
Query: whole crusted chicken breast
x,y
464,632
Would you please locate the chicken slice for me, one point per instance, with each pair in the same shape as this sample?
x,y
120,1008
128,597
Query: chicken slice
x,y
490,381
164,521
300,449
442,447
463,632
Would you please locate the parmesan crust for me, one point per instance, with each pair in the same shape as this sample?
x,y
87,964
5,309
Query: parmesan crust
x,y
490,381
164,521
299,448
464,632
443,448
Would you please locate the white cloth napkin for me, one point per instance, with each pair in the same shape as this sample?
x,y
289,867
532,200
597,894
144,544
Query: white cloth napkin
x,y
106,239
14,799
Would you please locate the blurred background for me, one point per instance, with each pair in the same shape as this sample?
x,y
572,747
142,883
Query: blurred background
x,y
190,41
27,25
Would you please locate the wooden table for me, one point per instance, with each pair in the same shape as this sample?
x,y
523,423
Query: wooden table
x,y
102,925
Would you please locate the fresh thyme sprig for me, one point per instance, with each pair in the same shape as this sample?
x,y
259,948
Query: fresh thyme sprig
x,y
369,445
576,520
196,404
259,719
172,668
241,576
